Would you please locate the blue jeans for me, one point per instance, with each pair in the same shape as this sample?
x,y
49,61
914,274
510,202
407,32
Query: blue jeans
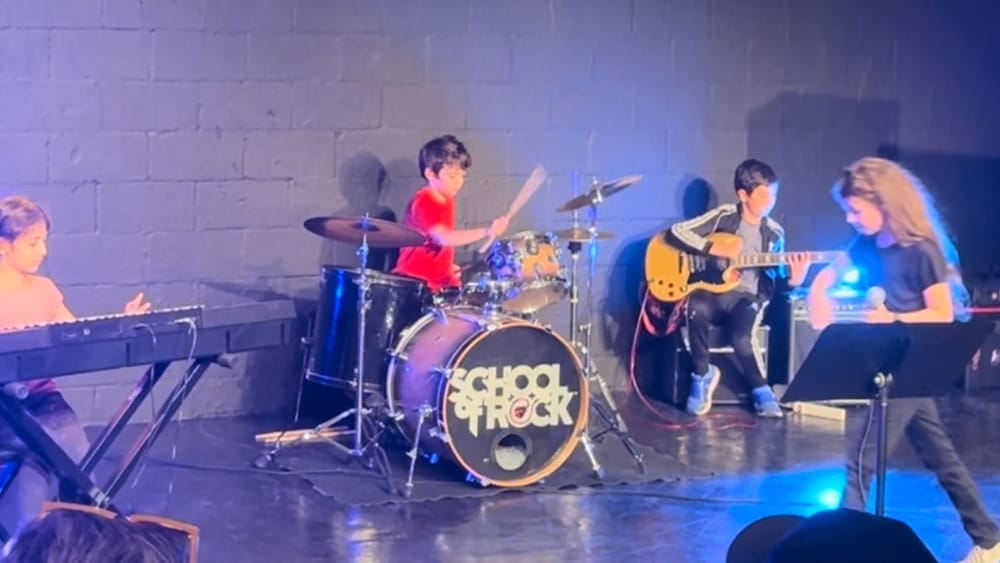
x,y
35,484
919,421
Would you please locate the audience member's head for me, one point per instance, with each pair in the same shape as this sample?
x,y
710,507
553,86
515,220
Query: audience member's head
x,y
92,535
175,544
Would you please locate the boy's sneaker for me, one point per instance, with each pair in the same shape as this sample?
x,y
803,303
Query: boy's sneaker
x,y
702,388
766,404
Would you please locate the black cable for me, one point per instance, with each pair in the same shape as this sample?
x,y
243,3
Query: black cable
x,y
862,489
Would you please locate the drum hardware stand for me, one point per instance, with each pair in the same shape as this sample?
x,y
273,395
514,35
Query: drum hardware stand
x,y
365,418
588,448
494,301
425,411
608,410
305,345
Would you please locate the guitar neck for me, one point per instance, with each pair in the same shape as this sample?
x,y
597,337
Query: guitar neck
x,y
766,259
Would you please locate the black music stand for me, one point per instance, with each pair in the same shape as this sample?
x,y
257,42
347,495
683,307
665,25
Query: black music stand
x,y
854,361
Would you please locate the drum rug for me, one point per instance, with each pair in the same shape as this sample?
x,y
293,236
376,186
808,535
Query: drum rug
x,y
332,473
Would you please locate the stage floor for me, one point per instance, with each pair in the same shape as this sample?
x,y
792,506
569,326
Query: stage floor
x,y
736,470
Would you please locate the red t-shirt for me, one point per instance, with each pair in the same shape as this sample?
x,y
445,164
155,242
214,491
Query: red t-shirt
x,y
36,303
433,264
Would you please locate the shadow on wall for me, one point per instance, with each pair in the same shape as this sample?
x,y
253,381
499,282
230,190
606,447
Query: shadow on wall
x,y
367,184
364,183
809,139
964,188
697,196
626,289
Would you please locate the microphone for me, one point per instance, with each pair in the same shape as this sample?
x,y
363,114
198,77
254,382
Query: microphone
x,y
875,297
17,390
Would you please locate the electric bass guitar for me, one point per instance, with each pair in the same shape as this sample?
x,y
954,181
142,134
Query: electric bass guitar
x,y
672,273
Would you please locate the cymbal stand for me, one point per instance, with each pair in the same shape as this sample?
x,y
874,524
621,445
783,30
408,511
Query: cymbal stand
x,y
574,300
608,411
367,420
574,290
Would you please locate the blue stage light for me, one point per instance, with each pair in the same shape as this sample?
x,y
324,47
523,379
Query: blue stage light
x,y
851,276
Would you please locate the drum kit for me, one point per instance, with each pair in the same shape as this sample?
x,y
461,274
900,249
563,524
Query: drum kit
x,y
468,374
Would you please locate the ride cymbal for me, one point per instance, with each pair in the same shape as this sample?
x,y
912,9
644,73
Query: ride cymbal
x,y
599,193
380,233
582,235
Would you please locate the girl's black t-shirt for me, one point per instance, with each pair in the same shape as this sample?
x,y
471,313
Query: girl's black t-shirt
x,y
904,272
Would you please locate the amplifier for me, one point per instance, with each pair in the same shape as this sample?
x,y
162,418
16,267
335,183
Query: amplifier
x,y
800,337
983,371
986,293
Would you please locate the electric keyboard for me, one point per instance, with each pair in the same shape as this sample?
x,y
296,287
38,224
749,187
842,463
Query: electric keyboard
x,y
94,328
164,335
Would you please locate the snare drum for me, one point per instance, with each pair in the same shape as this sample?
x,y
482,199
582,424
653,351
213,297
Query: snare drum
x,y
532,261
500,397
480,291
395,302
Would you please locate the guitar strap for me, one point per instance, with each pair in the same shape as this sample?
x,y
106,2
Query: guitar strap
x,y
673,321
679,312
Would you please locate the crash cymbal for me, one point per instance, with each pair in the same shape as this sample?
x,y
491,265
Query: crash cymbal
x,y
581,235
599,193
381,233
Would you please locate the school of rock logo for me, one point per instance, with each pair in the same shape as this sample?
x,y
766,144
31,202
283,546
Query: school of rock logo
x,y
491,398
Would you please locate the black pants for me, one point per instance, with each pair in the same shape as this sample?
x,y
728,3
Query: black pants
x,y
736,311
919,420
35,483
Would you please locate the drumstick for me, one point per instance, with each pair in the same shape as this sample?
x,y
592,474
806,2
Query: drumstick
x,y
531,185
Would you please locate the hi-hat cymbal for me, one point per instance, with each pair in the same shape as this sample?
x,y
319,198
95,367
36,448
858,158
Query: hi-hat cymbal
x,y
582,235
599,193
381,233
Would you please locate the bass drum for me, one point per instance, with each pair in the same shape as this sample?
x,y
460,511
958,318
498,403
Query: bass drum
x,y
502,398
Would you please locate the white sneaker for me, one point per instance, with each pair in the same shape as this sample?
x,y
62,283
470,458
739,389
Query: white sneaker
x,y
982,555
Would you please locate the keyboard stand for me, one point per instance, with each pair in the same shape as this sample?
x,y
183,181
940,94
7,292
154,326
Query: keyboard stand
x,y
152,430
74,483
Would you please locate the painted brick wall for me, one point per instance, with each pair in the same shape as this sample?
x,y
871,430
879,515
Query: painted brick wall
x,y
179,144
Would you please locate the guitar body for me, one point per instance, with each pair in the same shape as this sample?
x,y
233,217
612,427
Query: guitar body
x,y
671,274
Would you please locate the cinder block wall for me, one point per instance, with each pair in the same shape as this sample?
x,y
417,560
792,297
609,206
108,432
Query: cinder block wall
x,y
179,144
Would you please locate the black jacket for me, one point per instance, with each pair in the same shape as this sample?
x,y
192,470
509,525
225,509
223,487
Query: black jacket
x,y
726,219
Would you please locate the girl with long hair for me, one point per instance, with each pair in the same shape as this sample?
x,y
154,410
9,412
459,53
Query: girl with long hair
x,y
903,247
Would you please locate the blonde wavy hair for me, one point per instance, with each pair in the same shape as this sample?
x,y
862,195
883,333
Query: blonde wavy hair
x,y
908,211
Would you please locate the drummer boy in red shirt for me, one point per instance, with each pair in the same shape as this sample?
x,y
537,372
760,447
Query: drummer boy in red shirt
x,y
443,162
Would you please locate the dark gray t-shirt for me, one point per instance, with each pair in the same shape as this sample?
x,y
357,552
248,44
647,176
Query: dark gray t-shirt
x,y
752,244
904,272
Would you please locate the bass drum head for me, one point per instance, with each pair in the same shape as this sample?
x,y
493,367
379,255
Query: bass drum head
x,y
514,404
